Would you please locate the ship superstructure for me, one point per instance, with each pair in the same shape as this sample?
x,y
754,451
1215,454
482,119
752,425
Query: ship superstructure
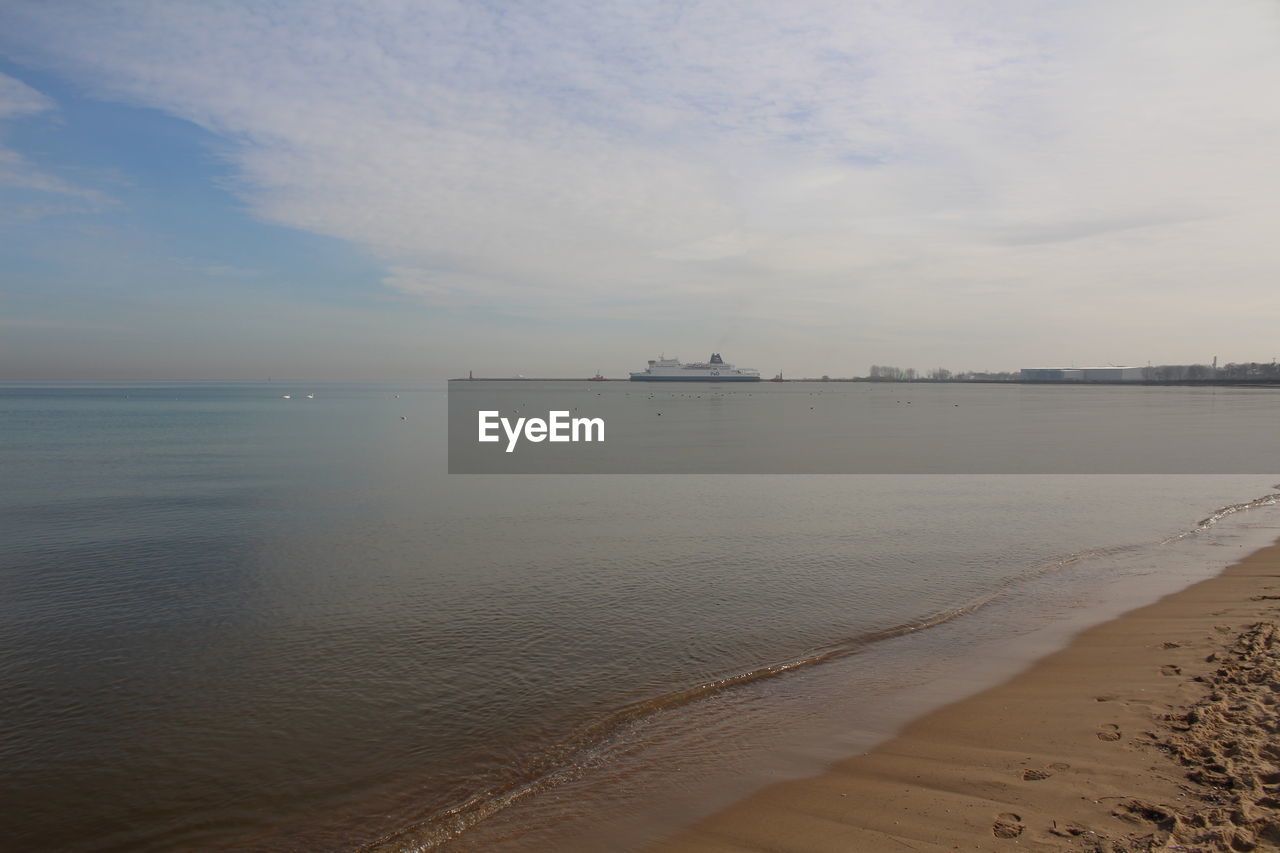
x,y
713,369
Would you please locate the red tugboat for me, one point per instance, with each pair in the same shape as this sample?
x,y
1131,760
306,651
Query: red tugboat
x,y
778,378
598,378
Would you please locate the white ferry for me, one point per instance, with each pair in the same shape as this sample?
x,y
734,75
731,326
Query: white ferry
x,y
712,370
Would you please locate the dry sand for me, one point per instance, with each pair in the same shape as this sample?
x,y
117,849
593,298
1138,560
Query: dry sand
x,y
1156,731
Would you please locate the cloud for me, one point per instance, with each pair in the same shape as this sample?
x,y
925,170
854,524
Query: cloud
x,y
27,192
214,271
713,155
17,99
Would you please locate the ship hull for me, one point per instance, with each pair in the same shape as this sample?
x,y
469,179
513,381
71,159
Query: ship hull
x,y
651,378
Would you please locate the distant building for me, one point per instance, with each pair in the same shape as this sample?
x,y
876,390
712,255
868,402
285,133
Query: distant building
x,y
1083,374
1049,374
1114,374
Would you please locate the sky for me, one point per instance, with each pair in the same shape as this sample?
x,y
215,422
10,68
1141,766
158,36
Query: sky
x,y
408,190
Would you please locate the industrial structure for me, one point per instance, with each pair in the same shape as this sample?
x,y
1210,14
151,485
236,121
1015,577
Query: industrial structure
x,y
1085,374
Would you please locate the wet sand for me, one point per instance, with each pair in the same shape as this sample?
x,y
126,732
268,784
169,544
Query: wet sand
x,y
1159,730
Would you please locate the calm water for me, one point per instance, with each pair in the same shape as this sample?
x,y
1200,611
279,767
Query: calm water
x,y
235,621
867,428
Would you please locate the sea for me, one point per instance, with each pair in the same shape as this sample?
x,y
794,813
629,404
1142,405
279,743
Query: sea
x,y
265,616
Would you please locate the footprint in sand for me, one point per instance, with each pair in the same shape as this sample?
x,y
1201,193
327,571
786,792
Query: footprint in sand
x,y
1007,825
1170,669
1109,731
1169,644
1033,775
1068,830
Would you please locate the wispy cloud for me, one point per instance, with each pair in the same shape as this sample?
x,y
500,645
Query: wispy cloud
x,y
855,157
17,99
27,192
214,271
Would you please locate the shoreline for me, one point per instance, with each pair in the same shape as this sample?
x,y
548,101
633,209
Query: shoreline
x,y
1077,383
1148,731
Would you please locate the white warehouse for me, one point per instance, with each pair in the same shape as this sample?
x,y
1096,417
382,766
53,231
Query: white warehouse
x,y
1083,374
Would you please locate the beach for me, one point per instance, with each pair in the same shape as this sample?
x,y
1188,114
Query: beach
x,y
1154,731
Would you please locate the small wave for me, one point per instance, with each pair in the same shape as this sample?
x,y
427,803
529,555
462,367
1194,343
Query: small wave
x,y
562,760
1230,509
1115,550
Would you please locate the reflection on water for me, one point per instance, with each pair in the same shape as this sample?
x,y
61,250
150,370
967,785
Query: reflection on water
x,y
235,621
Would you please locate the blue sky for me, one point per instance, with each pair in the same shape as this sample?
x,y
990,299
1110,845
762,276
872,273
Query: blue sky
x,y
411,190
162,251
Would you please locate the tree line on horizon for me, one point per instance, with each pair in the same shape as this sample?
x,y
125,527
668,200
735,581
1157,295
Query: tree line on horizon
x,y
889,373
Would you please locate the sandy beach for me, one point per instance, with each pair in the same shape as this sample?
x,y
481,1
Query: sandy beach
x,y
1155,731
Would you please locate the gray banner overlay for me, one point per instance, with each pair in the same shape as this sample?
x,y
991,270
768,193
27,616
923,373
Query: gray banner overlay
x,y
620,427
